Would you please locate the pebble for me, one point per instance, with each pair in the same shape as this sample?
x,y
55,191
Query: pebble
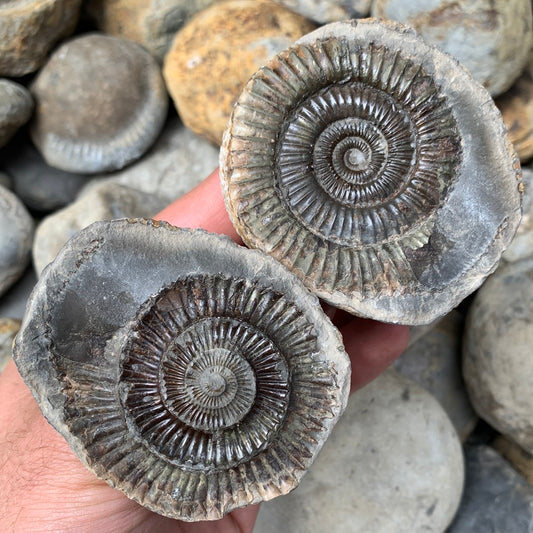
x,y
178,162
325,11
521,246
5,180
496,498
217,51
13,302
8,329
434,362
30,28
16,106
497,362
41,187
152,23
392,464
521,460
516,106
16,234
491,38
100,104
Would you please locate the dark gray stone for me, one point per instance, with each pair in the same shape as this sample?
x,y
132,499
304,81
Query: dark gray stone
x,y
13,302
16,106
496,498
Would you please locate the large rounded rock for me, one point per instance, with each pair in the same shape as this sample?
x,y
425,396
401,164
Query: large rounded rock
x,y
30,28
496,498
393,463
497,362
16,234
434,362
100,104
490,37
324,11
16,106
152,23
213,56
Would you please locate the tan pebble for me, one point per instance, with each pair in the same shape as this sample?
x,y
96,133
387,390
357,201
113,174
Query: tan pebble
x,y
215,54
8,329
518,457
516,106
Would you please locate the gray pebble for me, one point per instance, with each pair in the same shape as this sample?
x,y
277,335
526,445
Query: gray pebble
x,y
324,11
16,234
16,106
496,498
13,302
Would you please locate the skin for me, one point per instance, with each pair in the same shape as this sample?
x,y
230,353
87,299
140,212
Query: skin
x,y
44,485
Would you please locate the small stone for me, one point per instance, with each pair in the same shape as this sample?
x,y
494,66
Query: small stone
x,y
41,187
100,104
519,458
217,51
5,180
521,246
16,106
516,106
13,302
491,38
16,234
152,23
434,362
8,329
324,11
392,463
497,362
30,28
496,498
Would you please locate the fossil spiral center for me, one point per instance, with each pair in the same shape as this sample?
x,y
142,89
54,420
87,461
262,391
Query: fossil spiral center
x,y
357,159
214,382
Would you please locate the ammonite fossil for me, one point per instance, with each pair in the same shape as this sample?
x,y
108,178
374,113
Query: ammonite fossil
x,y
376,168
193,374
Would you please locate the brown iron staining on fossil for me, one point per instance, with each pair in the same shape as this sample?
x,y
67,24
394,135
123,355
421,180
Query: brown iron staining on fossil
x,y
200,383
346,159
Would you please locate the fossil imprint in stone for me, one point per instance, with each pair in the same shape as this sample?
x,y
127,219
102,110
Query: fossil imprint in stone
x,y
374,167
192,374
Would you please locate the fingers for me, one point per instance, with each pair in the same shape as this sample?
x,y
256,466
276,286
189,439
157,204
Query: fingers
x,y
203,207
372,347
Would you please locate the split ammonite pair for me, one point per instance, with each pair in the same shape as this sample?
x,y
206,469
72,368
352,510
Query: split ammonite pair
x,y
198,376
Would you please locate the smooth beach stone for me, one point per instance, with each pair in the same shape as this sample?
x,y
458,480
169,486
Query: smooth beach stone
x,y
30,28
16,234
9,327
13,302
324,11
497,362
16,106
216,52
489,37
496,498
41,187
434,362
516,106
521,460
102,201
100,104
152,23
393,463
521,246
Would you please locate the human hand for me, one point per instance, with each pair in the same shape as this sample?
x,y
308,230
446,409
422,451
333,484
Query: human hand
x,y
44,485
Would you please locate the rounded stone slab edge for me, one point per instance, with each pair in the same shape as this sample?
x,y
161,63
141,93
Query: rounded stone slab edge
x,y
474,194
96,308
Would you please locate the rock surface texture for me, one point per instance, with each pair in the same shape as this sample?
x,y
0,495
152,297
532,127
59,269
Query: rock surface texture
x,y
521,460
16,106
324,11
434,362
153,349
100,104
213,56
152,23
16,234
496,498
497,362
491,38
30,28
374,167
393,463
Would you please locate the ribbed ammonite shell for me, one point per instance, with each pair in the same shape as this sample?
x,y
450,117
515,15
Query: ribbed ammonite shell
x,y
376,168
193,374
